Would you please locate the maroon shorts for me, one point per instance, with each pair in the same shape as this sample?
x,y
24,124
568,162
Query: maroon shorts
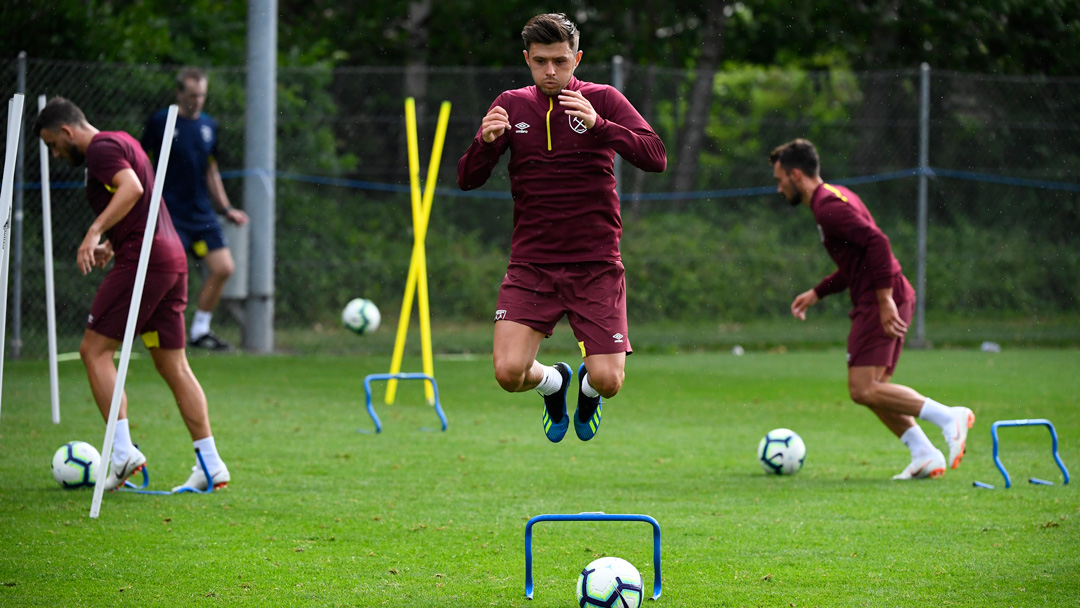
x,y
592,295
868,346
161,312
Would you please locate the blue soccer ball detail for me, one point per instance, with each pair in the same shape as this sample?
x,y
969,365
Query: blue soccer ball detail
x,y
75,465
781,452
609,582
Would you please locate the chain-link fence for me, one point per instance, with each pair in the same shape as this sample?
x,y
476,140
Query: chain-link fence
x,y
1005,151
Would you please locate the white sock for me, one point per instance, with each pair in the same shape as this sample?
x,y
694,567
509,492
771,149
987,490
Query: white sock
x,y
917,441
200,324
939,414
208,449
587,388
551,382
122,446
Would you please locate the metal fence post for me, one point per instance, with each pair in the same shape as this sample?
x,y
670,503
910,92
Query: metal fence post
x,y
617,82
259,150
924,170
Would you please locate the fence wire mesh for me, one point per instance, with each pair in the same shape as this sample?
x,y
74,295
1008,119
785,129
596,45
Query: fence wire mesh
x,y
351,236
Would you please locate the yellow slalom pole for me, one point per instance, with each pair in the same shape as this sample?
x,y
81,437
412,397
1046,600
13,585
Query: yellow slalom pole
x,y
406,303
419,250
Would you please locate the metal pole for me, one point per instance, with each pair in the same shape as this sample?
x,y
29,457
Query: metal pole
x,y
17,227
259,150
924,170
617,82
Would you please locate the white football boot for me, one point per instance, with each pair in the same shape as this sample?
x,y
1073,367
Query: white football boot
x,y
930,465
197,481
118,474
956,434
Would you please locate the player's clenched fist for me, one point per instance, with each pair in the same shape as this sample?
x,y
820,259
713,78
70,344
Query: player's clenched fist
x,y
494,124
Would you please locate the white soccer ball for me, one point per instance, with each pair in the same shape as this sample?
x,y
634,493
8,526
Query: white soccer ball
x,y
610,582
781,452
361,316
75,464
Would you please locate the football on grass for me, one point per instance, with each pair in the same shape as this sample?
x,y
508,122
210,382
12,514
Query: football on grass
x,y
781,452
361,316
609,582
75,464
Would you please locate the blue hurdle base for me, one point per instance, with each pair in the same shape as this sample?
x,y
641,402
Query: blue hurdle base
x,y
141,489
1001,467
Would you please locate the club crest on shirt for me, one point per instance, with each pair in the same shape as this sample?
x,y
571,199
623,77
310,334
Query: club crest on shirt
x,y
207,134
578,125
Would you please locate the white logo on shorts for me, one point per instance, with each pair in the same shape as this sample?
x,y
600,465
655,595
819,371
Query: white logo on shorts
x,y
849,357
500,315
618,338
522,127
90,319
578,125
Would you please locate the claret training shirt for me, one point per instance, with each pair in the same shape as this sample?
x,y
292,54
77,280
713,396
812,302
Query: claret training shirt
x,y
561,174
109,153
863,255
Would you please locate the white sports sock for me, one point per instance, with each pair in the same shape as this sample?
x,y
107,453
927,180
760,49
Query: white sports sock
x,y
934,412
551,382
587,388
208,449
917,441
122,446
200,324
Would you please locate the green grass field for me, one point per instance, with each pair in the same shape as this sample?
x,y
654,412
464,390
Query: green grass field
x,y
321,515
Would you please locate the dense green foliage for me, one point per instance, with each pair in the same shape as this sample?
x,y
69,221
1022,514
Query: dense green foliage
x,y
318,514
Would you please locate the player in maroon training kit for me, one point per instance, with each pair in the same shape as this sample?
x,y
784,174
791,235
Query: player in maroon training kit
x,y
883,302
563,135
119,185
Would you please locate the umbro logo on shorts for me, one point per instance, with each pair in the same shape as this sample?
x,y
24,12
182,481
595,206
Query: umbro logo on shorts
x,y
522,127
618,338
89,319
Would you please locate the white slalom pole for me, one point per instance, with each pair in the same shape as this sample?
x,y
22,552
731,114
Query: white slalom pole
x,y
14,129
133,311
50,289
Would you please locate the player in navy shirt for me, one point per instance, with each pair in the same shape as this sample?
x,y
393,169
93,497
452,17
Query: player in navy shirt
x,y
195,195
883,302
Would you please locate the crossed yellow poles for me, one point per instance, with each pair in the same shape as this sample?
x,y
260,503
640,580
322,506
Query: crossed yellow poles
x,y
417,280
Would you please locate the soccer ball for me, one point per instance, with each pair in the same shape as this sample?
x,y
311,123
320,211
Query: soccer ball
x,y
781,452
75,464
361,316
609,582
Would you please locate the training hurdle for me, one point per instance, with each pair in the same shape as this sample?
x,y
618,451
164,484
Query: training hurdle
x,y
1001,467
401,376
594,516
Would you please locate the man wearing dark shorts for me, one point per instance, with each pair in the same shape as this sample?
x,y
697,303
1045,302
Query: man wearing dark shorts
x,y
563,135
119,185
883,302
195,194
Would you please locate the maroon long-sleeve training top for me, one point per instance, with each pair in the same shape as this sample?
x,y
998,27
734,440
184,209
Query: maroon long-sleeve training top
x,y
561,174
863,255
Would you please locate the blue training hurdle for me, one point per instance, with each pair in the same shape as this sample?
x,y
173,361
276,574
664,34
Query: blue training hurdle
x,y
1001,467
403,376
596,516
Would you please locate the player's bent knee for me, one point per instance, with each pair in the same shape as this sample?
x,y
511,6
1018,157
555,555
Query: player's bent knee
x,y
863,395
607,385
510,378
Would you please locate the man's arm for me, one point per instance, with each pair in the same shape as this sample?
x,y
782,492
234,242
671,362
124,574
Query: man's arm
x,y
474,168
622,128
219,198
894,326
127,190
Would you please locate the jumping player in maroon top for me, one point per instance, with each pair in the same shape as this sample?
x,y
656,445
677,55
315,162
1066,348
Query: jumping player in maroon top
x,y
119,185
883,302
563,135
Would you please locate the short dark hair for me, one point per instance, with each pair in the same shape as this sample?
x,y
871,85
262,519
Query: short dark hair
x,y
57,113
189,73
550,28
797,154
